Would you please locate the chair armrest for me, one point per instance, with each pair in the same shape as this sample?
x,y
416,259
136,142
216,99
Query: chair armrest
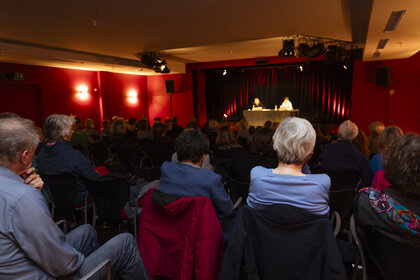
x,y
62,224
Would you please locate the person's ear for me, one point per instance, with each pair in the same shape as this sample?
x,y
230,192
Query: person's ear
x,y
26,157
202,160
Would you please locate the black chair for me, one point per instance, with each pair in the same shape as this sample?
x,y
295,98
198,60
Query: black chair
x,y
62,188
237,189
109,196
344,186
148,174
101,154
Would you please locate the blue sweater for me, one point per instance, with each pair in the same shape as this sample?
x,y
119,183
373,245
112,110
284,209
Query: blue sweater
x,y
187,180
309,192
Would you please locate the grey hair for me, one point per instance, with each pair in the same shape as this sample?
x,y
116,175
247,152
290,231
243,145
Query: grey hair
x,y
389,136
56,126
16,136
117,127
294,140
348,130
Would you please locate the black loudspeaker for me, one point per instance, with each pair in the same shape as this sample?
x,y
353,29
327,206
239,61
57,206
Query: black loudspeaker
x,y
169,84
383,76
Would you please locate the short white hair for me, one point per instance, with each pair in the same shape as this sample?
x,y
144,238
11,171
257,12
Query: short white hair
x,y
348,130
294,140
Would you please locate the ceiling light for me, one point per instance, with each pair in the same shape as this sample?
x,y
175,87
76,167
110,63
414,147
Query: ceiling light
x,y
382,43
288,48
394,20
331,54
376,54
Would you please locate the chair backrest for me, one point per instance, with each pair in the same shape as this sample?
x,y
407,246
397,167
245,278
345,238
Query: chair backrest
x,y
62,187
344,185
180,237
109,196
149,174
393,259
237,189
98,271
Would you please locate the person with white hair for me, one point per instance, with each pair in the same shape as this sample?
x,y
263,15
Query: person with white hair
x,y
294,142
32,246
344,156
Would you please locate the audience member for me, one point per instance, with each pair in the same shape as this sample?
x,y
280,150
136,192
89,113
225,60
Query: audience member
x,y
261,154
144,131
187,178
176,128
268,124
122,146
106,130
226,144
376,129
57,156
293,142
396,211
388,136
91,131
343,155
131,129
244,138
361,142
31,245
212,134
161,148
79,139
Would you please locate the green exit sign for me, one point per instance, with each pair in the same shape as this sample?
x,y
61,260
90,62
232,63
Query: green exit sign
x,y
19,76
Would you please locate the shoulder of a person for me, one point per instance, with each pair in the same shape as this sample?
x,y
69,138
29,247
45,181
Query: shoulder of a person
x,y
258,171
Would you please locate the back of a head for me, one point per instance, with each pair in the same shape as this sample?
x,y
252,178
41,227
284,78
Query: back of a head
x,y
376,128
56,126
143,125
117,127
294,140
243,124
268,124
6,115
262,142
105,123
191,145
213,124
225,136
348,130
389,135
402,165
174,119
159,129
89,124
16,136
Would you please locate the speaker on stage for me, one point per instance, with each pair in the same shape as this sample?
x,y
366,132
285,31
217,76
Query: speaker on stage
x,y
170,88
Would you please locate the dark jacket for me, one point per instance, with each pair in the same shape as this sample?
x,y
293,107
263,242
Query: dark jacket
x,y
282,242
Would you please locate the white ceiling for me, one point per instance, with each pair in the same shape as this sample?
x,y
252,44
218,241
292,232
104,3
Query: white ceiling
x,y
106,35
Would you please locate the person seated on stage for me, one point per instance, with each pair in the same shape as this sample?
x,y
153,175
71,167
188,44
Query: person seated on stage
x,y
293,142
257,105
57,156
261,154
396,211
343,155
286,105
187,178
32,246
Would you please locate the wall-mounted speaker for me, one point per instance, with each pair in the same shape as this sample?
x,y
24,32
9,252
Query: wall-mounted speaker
x,y
169,85
383,76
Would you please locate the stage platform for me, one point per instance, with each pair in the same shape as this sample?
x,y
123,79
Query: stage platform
x,y
259,117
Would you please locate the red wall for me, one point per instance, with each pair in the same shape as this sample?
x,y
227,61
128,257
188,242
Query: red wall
x,y
182,99
397,105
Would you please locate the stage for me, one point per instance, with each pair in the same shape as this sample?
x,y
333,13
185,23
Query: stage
x,y
259,117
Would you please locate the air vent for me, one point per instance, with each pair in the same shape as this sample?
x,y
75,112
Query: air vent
x,y
376,54
382,43
393,20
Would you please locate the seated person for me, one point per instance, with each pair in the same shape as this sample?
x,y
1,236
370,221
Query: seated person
x,y
343,155
79,139
293,142
31,244
161,148
187,178
257,105
261,154
57,156
92,132
388,136
396,211
376,129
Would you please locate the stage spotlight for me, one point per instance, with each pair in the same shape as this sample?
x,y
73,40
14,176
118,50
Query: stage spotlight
x,y
331,54
316,50
302,50
152,61
224,72
288,48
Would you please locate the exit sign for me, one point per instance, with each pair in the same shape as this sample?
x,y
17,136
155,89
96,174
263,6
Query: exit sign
x,y
19,76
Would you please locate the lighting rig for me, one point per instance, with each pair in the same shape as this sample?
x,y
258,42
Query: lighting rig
x,y
152,61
